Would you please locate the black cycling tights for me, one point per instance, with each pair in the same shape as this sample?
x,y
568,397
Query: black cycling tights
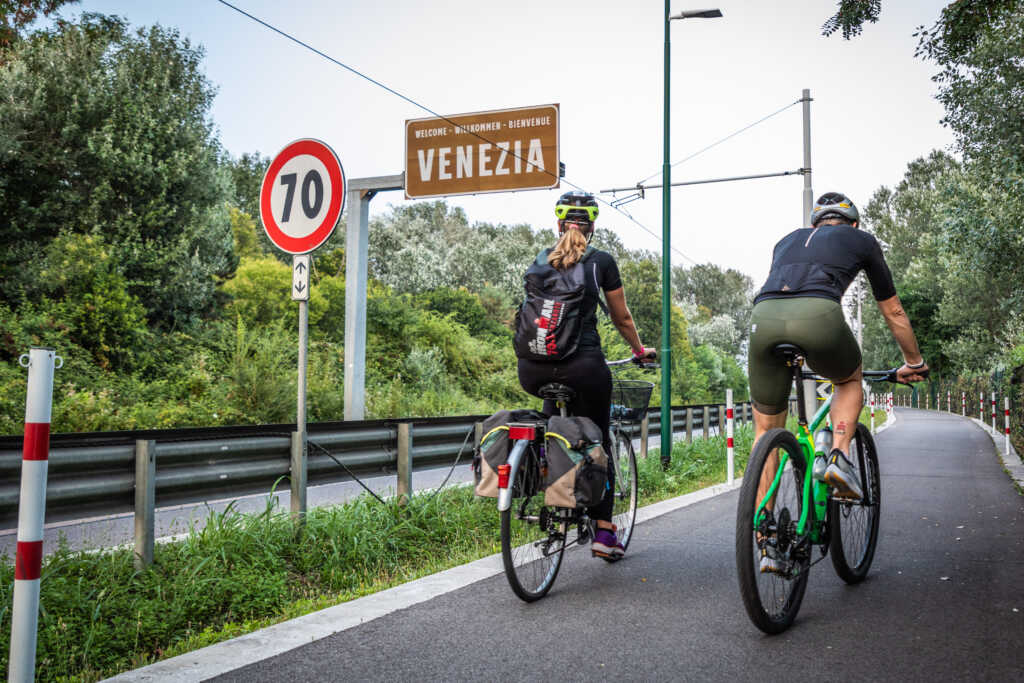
x,y
587,373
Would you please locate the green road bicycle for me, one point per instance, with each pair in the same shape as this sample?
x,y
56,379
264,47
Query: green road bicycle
x,y
783,509
534,535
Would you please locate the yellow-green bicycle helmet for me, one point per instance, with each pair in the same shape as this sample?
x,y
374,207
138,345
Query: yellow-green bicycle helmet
x,y
577,205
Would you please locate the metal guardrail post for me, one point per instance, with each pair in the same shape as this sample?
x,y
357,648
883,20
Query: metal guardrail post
x,y
707,422
721,420
145,502
689,424
404,461
644,430
298,475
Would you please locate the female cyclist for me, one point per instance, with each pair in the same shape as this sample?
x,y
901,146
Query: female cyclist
x,y
585,369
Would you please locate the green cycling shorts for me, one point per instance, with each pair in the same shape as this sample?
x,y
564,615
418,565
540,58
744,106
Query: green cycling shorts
x,y
814,324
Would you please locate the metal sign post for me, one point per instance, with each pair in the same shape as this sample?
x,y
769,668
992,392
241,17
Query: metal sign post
x,y
301,199
300,292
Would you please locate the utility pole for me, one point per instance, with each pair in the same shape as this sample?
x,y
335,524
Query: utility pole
x,y
805,220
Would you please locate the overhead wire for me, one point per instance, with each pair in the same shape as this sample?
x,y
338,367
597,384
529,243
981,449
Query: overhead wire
x,y
442,117
718,142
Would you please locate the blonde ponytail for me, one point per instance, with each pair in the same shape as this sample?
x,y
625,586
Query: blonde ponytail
x,y
569,249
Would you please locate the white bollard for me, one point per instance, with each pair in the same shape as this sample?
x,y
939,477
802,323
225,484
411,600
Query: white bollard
x,y
1006,405
981,407
730,451
949,404
41,363
963,404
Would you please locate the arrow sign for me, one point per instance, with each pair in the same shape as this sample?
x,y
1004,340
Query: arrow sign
x,y
300,277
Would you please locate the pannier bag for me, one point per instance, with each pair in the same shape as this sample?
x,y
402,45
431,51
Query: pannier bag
x,y
577,473
494,449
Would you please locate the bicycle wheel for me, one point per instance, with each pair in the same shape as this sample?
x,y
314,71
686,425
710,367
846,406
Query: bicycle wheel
x,y
772,598
623,459
532,534
854,525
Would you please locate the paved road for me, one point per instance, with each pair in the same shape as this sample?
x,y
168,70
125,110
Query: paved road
x,y
945,599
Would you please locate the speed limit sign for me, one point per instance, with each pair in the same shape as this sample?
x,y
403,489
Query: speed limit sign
x,y
302,196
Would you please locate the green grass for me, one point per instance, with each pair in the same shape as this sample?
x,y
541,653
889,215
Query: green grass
x,y
240,573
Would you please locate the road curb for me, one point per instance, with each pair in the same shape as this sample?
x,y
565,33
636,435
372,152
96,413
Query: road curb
x,y
220,658
1011,460
889,422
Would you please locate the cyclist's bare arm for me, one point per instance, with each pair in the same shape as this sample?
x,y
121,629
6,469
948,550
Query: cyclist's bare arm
x,y
623,321
899,324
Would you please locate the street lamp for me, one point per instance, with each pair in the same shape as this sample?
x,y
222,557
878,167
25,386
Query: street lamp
x,y
666,238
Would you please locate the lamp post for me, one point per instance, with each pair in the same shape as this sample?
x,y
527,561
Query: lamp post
x,y
666,239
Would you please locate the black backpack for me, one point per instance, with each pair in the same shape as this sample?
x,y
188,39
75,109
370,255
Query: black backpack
x,y
550,319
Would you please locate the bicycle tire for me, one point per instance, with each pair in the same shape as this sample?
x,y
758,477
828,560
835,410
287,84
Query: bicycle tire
x,y
532,535
626,492
853,526
772,600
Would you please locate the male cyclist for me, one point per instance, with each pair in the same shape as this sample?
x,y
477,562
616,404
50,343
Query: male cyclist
x,y
585,369
800,304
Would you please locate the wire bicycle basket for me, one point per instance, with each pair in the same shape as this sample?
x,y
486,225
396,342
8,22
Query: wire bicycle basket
x,y
630,398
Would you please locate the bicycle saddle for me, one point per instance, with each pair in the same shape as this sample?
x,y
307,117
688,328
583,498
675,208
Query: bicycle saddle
x,y
554,391
788,352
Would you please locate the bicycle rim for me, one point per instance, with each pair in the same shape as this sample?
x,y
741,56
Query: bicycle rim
x,y
626,488
854,525
532,538
772,599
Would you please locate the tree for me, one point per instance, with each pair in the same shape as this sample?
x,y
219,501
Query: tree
x,y
717,293
17,14
104,131
851,16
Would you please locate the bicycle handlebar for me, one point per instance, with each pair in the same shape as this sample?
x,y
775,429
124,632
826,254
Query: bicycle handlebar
x,y
869,375
642,362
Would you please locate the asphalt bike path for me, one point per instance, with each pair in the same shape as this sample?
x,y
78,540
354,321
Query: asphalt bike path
x,y
944,599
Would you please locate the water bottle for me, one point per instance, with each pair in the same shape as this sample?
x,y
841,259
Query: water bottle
x,y
822,447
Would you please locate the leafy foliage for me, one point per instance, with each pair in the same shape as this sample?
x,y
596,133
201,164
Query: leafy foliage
x,y
105,131
17,14
850,17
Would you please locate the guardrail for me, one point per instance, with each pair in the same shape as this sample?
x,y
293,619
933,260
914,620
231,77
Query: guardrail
x,y
96,474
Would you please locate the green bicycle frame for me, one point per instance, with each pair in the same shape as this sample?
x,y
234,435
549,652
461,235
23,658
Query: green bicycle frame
x,y
817,492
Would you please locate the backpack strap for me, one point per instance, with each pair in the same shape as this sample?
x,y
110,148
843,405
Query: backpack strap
x,y
600,301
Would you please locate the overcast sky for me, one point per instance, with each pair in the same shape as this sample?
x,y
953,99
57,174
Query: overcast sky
x,y
602,62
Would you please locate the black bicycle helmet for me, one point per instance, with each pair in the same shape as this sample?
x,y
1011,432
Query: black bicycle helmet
x,y
834,205
577,205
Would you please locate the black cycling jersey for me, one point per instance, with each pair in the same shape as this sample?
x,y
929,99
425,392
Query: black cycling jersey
x,y
602,273
823,261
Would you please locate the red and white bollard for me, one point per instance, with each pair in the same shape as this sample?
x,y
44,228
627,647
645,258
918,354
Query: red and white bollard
x,y
981,407
993,412
949,402
872,397
1006,406
28,562
963,404
730,451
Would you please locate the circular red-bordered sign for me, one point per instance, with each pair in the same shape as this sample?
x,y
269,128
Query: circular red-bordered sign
x,y
302,196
